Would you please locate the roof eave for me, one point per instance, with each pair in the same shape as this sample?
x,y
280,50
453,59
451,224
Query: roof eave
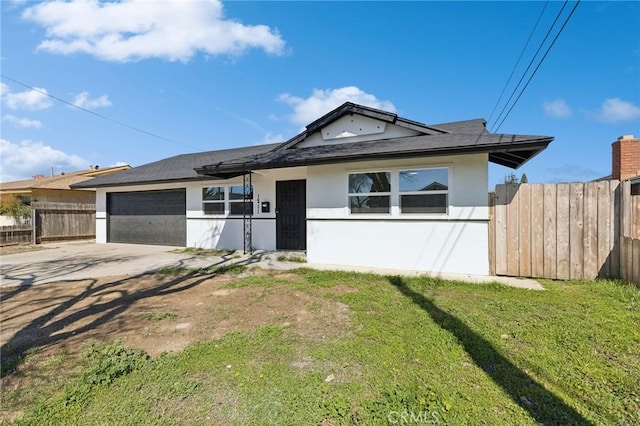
x,y
500,155
86,184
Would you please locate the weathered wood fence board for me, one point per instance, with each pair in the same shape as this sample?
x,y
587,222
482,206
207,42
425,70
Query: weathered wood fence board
x,y
558,231
15,234
64,221
550,248
537,231
54,222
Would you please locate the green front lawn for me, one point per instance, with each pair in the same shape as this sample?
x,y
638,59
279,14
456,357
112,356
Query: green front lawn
x,y
412,351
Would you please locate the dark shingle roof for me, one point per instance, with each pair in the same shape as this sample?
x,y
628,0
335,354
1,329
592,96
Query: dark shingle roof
x,y
508,150
173,169
461,137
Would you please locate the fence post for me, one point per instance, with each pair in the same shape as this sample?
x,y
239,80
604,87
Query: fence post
x,y
33,225
492,233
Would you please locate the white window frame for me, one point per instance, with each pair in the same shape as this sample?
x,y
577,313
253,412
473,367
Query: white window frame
x,y
388,194
428,192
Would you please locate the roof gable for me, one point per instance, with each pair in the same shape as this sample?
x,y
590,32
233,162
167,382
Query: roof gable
x,y
384,135
356,123
354,128
412,139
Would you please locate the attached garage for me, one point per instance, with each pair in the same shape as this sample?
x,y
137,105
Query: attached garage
x,y
147,217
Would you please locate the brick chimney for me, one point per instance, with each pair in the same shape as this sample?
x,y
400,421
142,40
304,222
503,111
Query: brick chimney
x,y
626,157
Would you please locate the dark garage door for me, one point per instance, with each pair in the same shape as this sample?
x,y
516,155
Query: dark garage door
x,y
149,217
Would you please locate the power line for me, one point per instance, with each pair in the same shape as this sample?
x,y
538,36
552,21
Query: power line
x,y
540,63
128,126
518,61
515,89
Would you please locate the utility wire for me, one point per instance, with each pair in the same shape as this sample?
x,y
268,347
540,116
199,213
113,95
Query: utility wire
x,y
540,63
515,89
137,129
518,61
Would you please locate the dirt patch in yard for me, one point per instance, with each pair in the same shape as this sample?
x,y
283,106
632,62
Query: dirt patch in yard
x,y
157,313
7,249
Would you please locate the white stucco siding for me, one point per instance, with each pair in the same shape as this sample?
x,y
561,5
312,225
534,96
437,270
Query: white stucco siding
x,y
444,247
215,231
468,186
456,242
228,233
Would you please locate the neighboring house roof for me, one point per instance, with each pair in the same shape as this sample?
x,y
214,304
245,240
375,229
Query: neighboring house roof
x,y
461,137
63,181
435,186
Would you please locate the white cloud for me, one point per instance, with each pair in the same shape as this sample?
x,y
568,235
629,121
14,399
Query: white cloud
x,y
82,100
557,109
33,99
322,101
271,138
132,30
119,163
615,110
25,123
23,160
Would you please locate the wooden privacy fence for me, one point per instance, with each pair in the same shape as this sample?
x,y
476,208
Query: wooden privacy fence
x,y
564,231
630,239
63,221
15,234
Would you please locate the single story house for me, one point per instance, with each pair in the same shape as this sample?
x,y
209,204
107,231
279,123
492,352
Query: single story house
x,y
358,187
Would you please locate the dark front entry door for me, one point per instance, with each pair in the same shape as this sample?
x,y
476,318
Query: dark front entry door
x,y
291,215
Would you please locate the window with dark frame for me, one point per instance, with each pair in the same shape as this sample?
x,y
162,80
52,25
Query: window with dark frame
x,y
213,200
370,192
424,191
237,204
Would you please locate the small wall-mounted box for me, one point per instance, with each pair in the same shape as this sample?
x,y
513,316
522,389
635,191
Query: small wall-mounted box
x,y
265,207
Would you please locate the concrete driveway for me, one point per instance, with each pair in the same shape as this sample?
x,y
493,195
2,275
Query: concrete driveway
x,y
85,260
76,261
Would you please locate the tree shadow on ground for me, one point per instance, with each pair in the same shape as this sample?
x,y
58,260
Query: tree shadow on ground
x,y
57,324
21,276
545,407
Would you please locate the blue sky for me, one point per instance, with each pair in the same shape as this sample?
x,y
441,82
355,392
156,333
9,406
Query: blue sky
x,y
205,75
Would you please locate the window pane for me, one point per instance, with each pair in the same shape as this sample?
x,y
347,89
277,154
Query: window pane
x,y
237,192
373,204
424,180
239,208
360,183
428,203
213,208
213,193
